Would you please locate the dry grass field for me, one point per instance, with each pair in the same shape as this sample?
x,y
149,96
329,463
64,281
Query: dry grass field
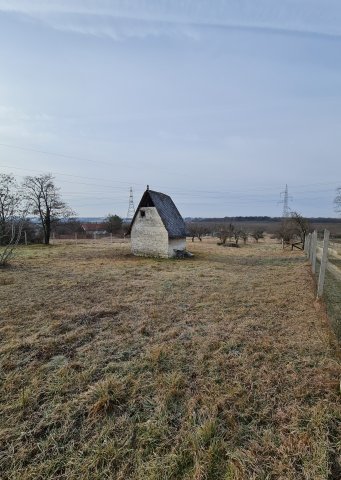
x,y
116,367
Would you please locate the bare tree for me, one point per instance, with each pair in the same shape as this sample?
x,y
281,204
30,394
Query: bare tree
x,y
228,232
301,225
196,229
44,200
9,206
294,229
9,244
337,200
257,234
286,231
223,233
237,233
244,235
12,217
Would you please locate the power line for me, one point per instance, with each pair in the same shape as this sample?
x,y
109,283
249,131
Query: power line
x,y
69,175
244,192
62,155
189,197
75,157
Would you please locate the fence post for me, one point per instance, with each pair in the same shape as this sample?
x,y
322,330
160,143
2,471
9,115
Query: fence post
x,y
25,233
324,261
76,238
313,253
111,237
308,245
94,235
311,243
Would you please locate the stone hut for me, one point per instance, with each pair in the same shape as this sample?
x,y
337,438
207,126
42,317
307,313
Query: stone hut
x,y
157,228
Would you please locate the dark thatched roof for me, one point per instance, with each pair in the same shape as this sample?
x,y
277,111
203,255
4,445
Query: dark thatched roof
x,y
167,210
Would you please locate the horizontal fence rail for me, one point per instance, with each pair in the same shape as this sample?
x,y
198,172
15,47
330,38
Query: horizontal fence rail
x,y
324,252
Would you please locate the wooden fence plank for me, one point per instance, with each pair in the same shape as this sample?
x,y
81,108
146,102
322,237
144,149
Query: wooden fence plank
x,y
313,252
323,266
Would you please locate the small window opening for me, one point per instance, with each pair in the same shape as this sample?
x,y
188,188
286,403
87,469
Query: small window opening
x,y
142,213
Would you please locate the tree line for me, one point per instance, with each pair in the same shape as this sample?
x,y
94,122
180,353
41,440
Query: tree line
x,y
38,196
291,229
227,232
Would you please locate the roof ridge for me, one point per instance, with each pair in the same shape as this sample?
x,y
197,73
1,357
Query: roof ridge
x,y
167,210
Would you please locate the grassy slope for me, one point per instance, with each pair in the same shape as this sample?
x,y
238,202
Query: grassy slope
x,y
218,367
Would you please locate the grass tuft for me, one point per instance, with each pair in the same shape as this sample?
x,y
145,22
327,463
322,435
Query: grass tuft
x,y
106,396
126,368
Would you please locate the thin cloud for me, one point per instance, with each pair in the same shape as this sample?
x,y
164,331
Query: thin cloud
x,y
12,114
18,124
156,17
120,29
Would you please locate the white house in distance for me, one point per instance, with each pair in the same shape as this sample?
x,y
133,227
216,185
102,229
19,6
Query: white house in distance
x,y
157,228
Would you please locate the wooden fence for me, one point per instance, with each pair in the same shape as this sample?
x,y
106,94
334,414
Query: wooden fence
x,y
324,252
81,237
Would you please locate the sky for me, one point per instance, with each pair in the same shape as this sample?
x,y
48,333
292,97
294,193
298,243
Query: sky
x,y
218,103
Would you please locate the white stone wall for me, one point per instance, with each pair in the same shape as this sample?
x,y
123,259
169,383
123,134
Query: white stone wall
x,y
149,236
176,244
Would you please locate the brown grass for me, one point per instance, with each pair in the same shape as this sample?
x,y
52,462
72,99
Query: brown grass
x,y
116,367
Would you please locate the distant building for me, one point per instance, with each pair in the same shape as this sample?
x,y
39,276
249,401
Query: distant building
x,y
157,228
91,228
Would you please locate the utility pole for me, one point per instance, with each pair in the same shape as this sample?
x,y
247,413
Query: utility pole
x,y
285,201
131,207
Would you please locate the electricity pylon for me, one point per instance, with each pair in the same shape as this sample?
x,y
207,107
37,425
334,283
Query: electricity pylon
x,y
131,207
285,201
